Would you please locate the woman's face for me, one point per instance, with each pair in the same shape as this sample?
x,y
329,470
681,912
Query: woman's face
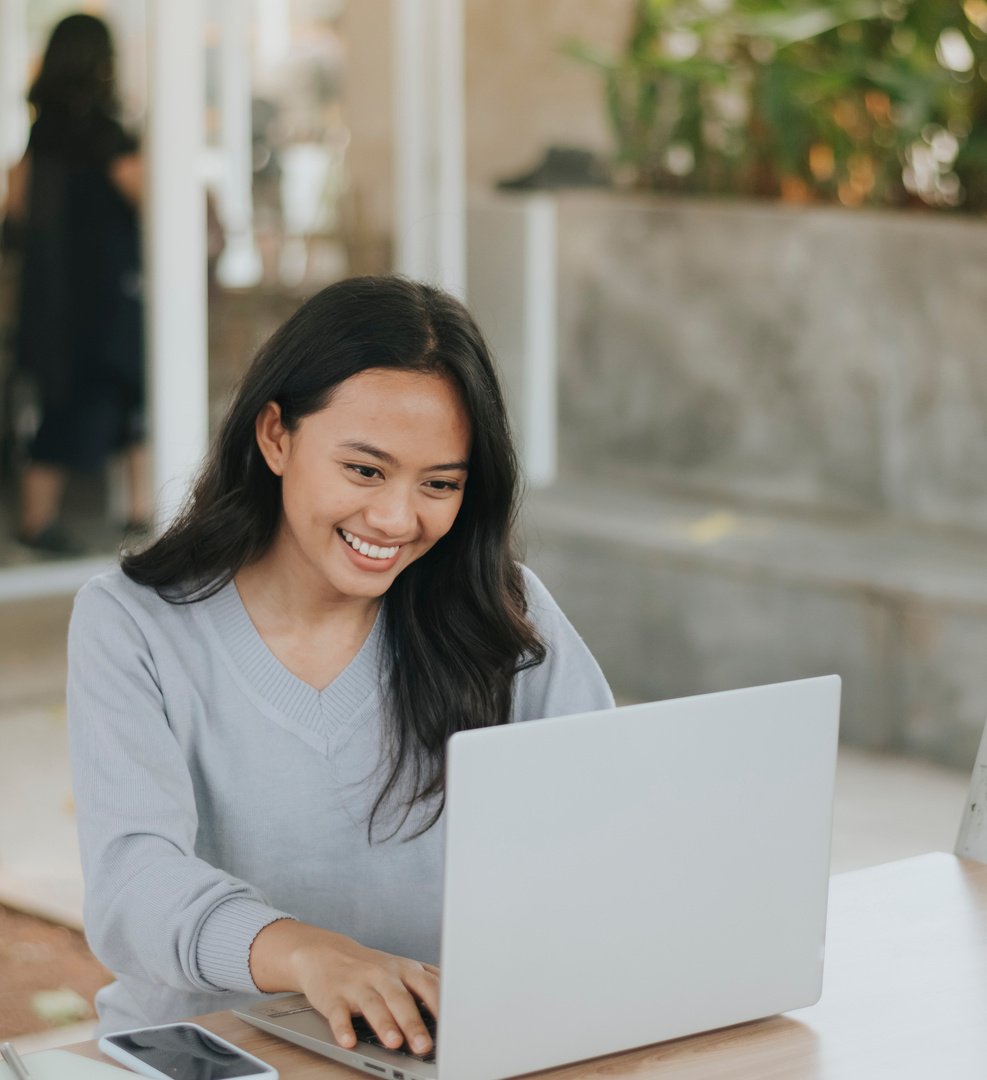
x,y
370,482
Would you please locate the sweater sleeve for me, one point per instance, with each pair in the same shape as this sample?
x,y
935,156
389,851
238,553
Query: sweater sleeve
x,y
569,680
152,908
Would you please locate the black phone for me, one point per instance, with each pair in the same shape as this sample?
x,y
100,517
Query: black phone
x,y
183,1051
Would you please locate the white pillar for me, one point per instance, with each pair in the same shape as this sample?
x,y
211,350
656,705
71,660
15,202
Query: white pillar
x,y
429,153
176,248
272,34
239,265
450,92
512,270
13,85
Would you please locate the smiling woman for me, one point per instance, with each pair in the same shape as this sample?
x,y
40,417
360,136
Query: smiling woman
x,y
260,701
398,498
353,515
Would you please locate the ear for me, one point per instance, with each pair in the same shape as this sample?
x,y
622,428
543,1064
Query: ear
x,y
273,438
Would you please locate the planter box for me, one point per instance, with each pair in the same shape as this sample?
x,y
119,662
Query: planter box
x,y
813,358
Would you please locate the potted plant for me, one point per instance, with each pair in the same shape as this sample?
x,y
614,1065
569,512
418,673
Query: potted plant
x,y
855,101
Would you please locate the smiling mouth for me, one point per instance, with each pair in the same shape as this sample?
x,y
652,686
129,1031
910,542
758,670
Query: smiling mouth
x,y
365,547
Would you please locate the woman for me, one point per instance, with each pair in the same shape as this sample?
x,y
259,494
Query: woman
x,y
259,702
72,207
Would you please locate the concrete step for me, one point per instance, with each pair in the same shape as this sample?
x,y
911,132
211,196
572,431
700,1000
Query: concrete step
x,y
680,595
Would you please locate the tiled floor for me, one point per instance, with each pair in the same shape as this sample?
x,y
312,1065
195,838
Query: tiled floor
x,y
886,807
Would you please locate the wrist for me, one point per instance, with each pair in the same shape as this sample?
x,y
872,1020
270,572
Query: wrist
x,y
270,956
281,953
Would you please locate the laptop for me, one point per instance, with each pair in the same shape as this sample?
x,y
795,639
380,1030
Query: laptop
x,y
619,878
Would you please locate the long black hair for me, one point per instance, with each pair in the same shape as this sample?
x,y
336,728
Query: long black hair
x,y
78,70
456,630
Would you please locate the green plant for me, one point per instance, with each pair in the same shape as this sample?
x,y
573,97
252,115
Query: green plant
x,y
879,102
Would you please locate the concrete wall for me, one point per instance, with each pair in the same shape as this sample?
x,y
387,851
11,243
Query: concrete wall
x,y
814,358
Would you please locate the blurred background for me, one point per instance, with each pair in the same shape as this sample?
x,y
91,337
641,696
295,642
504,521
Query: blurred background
x,y
732,258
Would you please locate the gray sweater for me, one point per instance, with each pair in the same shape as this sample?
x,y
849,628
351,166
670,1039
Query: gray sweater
x,y
216,792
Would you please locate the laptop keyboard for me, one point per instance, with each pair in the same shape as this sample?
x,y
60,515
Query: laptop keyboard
x,y
365,1033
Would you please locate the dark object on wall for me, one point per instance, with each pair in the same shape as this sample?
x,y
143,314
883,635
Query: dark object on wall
x,y
562,166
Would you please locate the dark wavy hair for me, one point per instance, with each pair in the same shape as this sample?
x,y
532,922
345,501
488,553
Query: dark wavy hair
x,y
456,629
78,71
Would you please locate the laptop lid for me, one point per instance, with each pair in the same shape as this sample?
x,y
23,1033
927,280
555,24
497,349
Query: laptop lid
x,y
618,878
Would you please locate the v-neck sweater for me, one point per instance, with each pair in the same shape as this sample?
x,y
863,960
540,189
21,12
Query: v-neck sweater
x,y
260,672
217,792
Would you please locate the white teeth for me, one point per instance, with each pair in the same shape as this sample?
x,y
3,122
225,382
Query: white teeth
x,y
372,551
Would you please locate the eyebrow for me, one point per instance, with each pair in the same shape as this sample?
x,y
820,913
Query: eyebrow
x,y
390,459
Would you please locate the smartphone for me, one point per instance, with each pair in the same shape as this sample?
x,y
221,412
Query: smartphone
x,y
183,1052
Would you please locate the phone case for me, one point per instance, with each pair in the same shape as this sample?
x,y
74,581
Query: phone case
x,y
264,1071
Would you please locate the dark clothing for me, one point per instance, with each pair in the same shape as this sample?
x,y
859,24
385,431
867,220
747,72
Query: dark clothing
x,y
80,331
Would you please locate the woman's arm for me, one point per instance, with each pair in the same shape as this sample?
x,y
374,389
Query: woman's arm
x,y
149,898
153,908
127,174
18,179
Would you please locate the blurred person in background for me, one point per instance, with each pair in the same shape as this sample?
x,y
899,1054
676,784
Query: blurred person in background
x,y
72,213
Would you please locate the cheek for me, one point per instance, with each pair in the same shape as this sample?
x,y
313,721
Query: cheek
x,y
444,520
305,509
295,500
313,493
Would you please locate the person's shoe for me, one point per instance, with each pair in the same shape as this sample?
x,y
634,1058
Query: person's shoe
x,y
52,540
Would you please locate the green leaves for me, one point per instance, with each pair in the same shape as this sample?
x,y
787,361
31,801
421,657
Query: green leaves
x,y
823,100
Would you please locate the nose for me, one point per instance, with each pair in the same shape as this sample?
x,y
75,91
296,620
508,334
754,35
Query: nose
x,y
391,511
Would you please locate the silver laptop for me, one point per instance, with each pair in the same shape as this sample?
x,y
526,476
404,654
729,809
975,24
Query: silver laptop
x,y
619,878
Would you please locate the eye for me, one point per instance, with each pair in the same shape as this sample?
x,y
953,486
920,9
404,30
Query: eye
x,y
443,485
365,472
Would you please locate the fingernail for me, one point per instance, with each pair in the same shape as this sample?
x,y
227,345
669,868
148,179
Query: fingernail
x,y
393,1036
420,1044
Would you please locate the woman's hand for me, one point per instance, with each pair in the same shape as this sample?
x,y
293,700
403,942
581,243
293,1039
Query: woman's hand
x,y
18,182
127,174
342,978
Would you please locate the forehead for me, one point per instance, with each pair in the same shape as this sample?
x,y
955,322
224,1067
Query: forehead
x,y
397,406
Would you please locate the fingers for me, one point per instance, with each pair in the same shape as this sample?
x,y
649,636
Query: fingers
x,y
424,984
394,1012
390,1007
343,979
392,1020
406,1012
341,1023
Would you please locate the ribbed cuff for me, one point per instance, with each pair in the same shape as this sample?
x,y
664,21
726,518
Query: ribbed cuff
x,y
222,951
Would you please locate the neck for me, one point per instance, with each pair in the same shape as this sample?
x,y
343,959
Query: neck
x,y
276,595
315,637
